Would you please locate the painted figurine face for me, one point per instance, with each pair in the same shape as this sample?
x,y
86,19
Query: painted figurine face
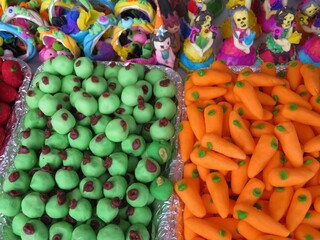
x,y
241,19
311,11
207,22
287,21
162,46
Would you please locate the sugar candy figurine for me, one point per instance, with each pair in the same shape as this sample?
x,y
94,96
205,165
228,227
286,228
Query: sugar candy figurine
x,y
279,44
267,12
197,50
162,45
226,28
238,50
309,25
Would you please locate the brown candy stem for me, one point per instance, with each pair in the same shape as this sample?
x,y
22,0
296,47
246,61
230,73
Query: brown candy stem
x,y
28,229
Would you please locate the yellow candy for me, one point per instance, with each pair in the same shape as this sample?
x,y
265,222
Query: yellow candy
x,y
1,41
87,18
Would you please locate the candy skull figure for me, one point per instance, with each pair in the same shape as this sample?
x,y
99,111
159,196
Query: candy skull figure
x,y
278,47
162,45
226,26
238,50
309,25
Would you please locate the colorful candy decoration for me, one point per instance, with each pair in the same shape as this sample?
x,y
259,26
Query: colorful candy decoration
x,y
197,50
267,12
162,41
135,9
131,41
57,43
96,39
238,50
17,41
278,47
309,25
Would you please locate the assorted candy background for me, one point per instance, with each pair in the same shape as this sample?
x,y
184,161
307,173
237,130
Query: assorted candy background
x,y
174,33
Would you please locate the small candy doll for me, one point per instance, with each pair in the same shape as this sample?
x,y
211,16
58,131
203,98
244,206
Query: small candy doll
x,y
162,45
226,28
197,49
171,22
278,47
238,50
267,12
309,25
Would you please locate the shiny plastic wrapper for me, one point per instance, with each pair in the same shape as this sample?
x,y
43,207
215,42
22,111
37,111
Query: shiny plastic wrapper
x,y
10,144
166,223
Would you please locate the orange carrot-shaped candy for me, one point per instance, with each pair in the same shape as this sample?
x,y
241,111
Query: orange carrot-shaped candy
x,y
247,231
300,114
293,74
270,237
285,177
239,176
315,103
311,78
226,108
230,224
209,77
213,119
218,189
279,202
196,93
188,82
222,67
277,161
312,218
212,160
203,172
316,204
304,132
265,149
265,99
269,68
229,96
259,220
312,145
303,92
287,136
314,190
285,96
186,190
186,140
208,230
196,119
251,193
188,233
240,133
306,232
190,171
248,96
245,113
278,117
259,128
197,238
209,204
262,204
221,145
299,206
260,79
